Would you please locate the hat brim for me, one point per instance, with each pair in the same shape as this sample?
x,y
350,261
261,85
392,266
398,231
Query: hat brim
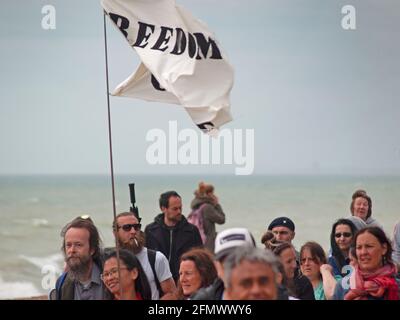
x,y
223,253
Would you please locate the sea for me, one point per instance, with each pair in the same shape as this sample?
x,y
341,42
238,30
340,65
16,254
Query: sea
x,y
33,210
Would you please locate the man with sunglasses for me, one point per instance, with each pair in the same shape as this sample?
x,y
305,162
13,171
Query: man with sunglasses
x,y
171,233
127,229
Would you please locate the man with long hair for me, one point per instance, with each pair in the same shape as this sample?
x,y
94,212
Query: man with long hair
x,y
82,250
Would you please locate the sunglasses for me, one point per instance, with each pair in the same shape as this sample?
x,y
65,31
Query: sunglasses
x,y
344,234
129,226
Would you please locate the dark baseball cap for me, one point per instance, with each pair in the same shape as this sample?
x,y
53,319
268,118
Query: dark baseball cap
x,y
282,222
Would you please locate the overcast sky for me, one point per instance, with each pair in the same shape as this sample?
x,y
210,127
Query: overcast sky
x,y
321,99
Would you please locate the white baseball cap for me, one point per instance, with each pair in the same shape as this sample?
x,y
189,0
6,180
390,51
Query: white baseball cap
x,y
229,239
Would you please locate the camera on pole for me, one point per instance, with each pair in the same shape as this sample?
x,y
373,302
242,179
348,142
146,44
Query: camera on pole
x,y
134,209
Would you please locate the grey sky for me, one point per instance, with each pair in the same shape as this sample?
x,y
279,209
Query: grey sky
x,y
321,99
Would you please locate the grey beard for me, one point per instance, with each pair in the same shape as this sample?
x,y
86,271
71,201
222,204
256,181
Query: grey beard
x,y
79,272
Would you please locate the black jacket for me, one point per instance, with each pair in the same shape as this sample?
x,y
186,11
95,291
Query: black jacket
x,y
212,292
172,241
304,288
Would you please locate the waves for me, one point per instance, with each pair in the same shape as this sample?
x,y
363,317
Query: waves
x,y
35,222
23,289
54,261
40,222
19,289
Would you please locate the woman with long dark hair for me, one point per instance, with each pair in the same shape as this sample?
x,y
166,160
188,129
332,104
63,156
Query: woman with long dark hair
x,y
133,280
374,277
343,231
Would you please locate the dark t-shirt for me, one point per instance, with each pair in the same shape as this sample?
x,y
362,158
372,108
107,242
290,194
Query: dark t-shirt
x,y
304,288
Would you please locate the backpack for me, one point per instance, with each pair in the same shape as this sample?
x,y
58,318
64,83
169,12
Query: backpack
x,y
196,218
55,294
151,255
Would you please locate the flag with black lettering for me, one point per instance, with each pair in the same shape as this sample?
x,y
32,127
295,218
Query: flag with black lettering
x,y
181,60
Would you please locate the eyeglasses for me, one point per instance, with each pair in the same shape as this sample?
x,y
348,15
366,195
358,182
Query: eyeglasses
x,y
111,273
344,234
129,226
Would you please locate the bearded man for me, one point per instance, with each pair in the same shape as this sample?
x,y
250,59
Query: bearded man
x,y
171,233
82,254
127,230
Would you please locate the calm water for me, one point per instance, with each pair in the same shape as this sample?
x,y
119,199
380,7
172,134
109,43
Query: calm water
x,y
33,210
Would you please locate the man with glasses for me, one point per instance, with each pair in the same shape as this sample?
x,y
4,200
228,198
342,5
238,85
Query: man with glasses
x,y
127,230
171,233
82,253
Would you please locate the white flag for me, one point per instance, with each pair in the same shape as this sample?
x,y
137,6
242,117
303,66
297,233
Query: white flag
x,y
181,61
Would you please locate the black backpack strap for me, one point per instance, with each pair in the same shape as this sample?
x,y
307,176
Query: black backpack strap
x,y
151,255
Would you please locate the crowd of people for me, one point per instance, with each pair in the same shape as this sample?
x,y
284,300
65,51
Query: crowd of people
x,y
176,258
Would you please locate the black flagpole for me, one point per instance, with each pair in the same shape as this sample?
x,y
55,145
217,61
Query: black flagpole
x,y
111,155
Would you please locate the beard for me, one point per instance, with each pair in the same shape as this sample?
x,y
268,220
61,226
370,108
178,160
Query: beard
x,y
175,219
134,244
78,266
